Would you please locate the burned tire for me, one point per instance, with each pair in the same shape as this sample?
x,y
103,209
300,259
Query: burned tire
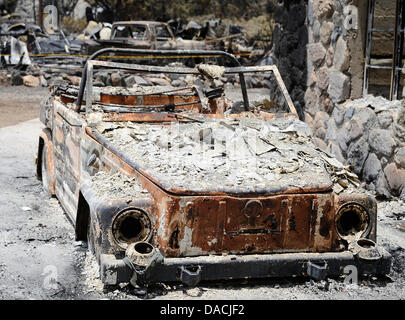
x,y
45,177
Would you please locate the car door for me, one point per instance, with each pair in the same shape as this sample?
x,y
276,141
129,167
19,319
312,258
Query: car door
x,y
67,132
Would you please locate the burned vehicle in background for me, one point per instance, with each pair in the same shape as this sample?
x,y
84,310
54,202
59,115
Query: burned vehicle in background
x,y
156,35
141,35
201,182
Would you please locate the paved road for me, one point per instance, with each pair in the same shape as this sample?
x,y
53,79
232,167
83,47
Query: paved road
x,y
39,258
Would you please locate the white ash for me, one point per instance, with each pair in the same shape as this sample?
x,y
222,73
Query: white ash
x,y
200,156
115,185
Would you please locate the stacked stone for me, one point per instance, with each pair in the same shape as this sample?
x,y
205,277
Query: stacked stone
x,y
369,137
328,62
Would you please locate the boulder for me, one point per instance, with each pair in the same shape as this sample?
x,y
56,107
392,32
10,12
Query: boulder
x,y
316,52
357,155
341,59
354,130
129,81
326,32
395,177
164,82
385,119
323,8
381,187
311,99
116,79
338,115
329,56
372,168
381,141
400,158
30,81
323,78
339,86
74,80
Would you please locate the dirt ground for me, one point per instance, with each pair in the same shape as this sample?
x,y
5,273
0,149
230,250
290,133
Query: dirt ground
x,y
20,103
39,258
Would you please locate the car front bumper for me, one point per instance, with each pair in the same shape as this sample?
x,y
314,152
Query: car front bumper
x,y
191,270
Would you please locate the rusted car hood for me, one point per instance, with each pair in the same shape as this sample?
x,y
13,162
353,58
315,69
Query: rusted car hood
x,y
227,156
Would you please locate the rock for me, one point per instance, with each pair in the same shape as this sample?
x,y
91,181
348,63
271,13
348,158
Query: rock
x,y
385,119
31,81
350,112
329,56
326,32
395,177
341,60
320,144
342,139
372,168
178,83
323,78
311,99
339,86
331,131
311,78
316,52
160,81
400,158
141,81
381,141
338,115
354,130
368,118
325,104
316,29
116,79
320,120
129,81
323,8
334,149
357,154
381,187
104,77
320,133
74,80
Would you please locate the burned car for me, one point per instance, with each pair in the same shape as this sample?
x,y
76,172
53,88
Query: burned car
x,y
203,182
141,35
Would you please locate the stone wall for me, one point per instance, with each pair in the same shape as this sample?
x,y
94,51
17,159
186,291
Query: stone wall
x,y
368,134
329,81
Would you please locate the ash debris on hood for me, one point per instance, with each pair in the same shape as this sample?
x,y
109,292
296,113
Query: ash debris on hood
x,y
115,185
235,154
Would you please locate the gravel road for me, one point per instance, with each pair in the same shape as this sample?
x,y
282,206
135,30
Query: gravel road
x,y
39,258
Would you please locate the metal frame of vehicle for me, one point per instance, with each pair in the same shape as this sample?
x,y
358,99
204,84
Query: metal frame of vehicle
x,y
172,212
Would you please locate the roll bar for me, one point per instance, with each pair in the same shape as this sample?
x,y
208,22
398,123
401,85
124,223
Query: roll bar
x,y
154,53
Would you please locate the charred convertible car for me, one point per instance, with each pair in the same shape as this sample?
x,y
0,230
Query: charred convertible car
x,y
188,184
